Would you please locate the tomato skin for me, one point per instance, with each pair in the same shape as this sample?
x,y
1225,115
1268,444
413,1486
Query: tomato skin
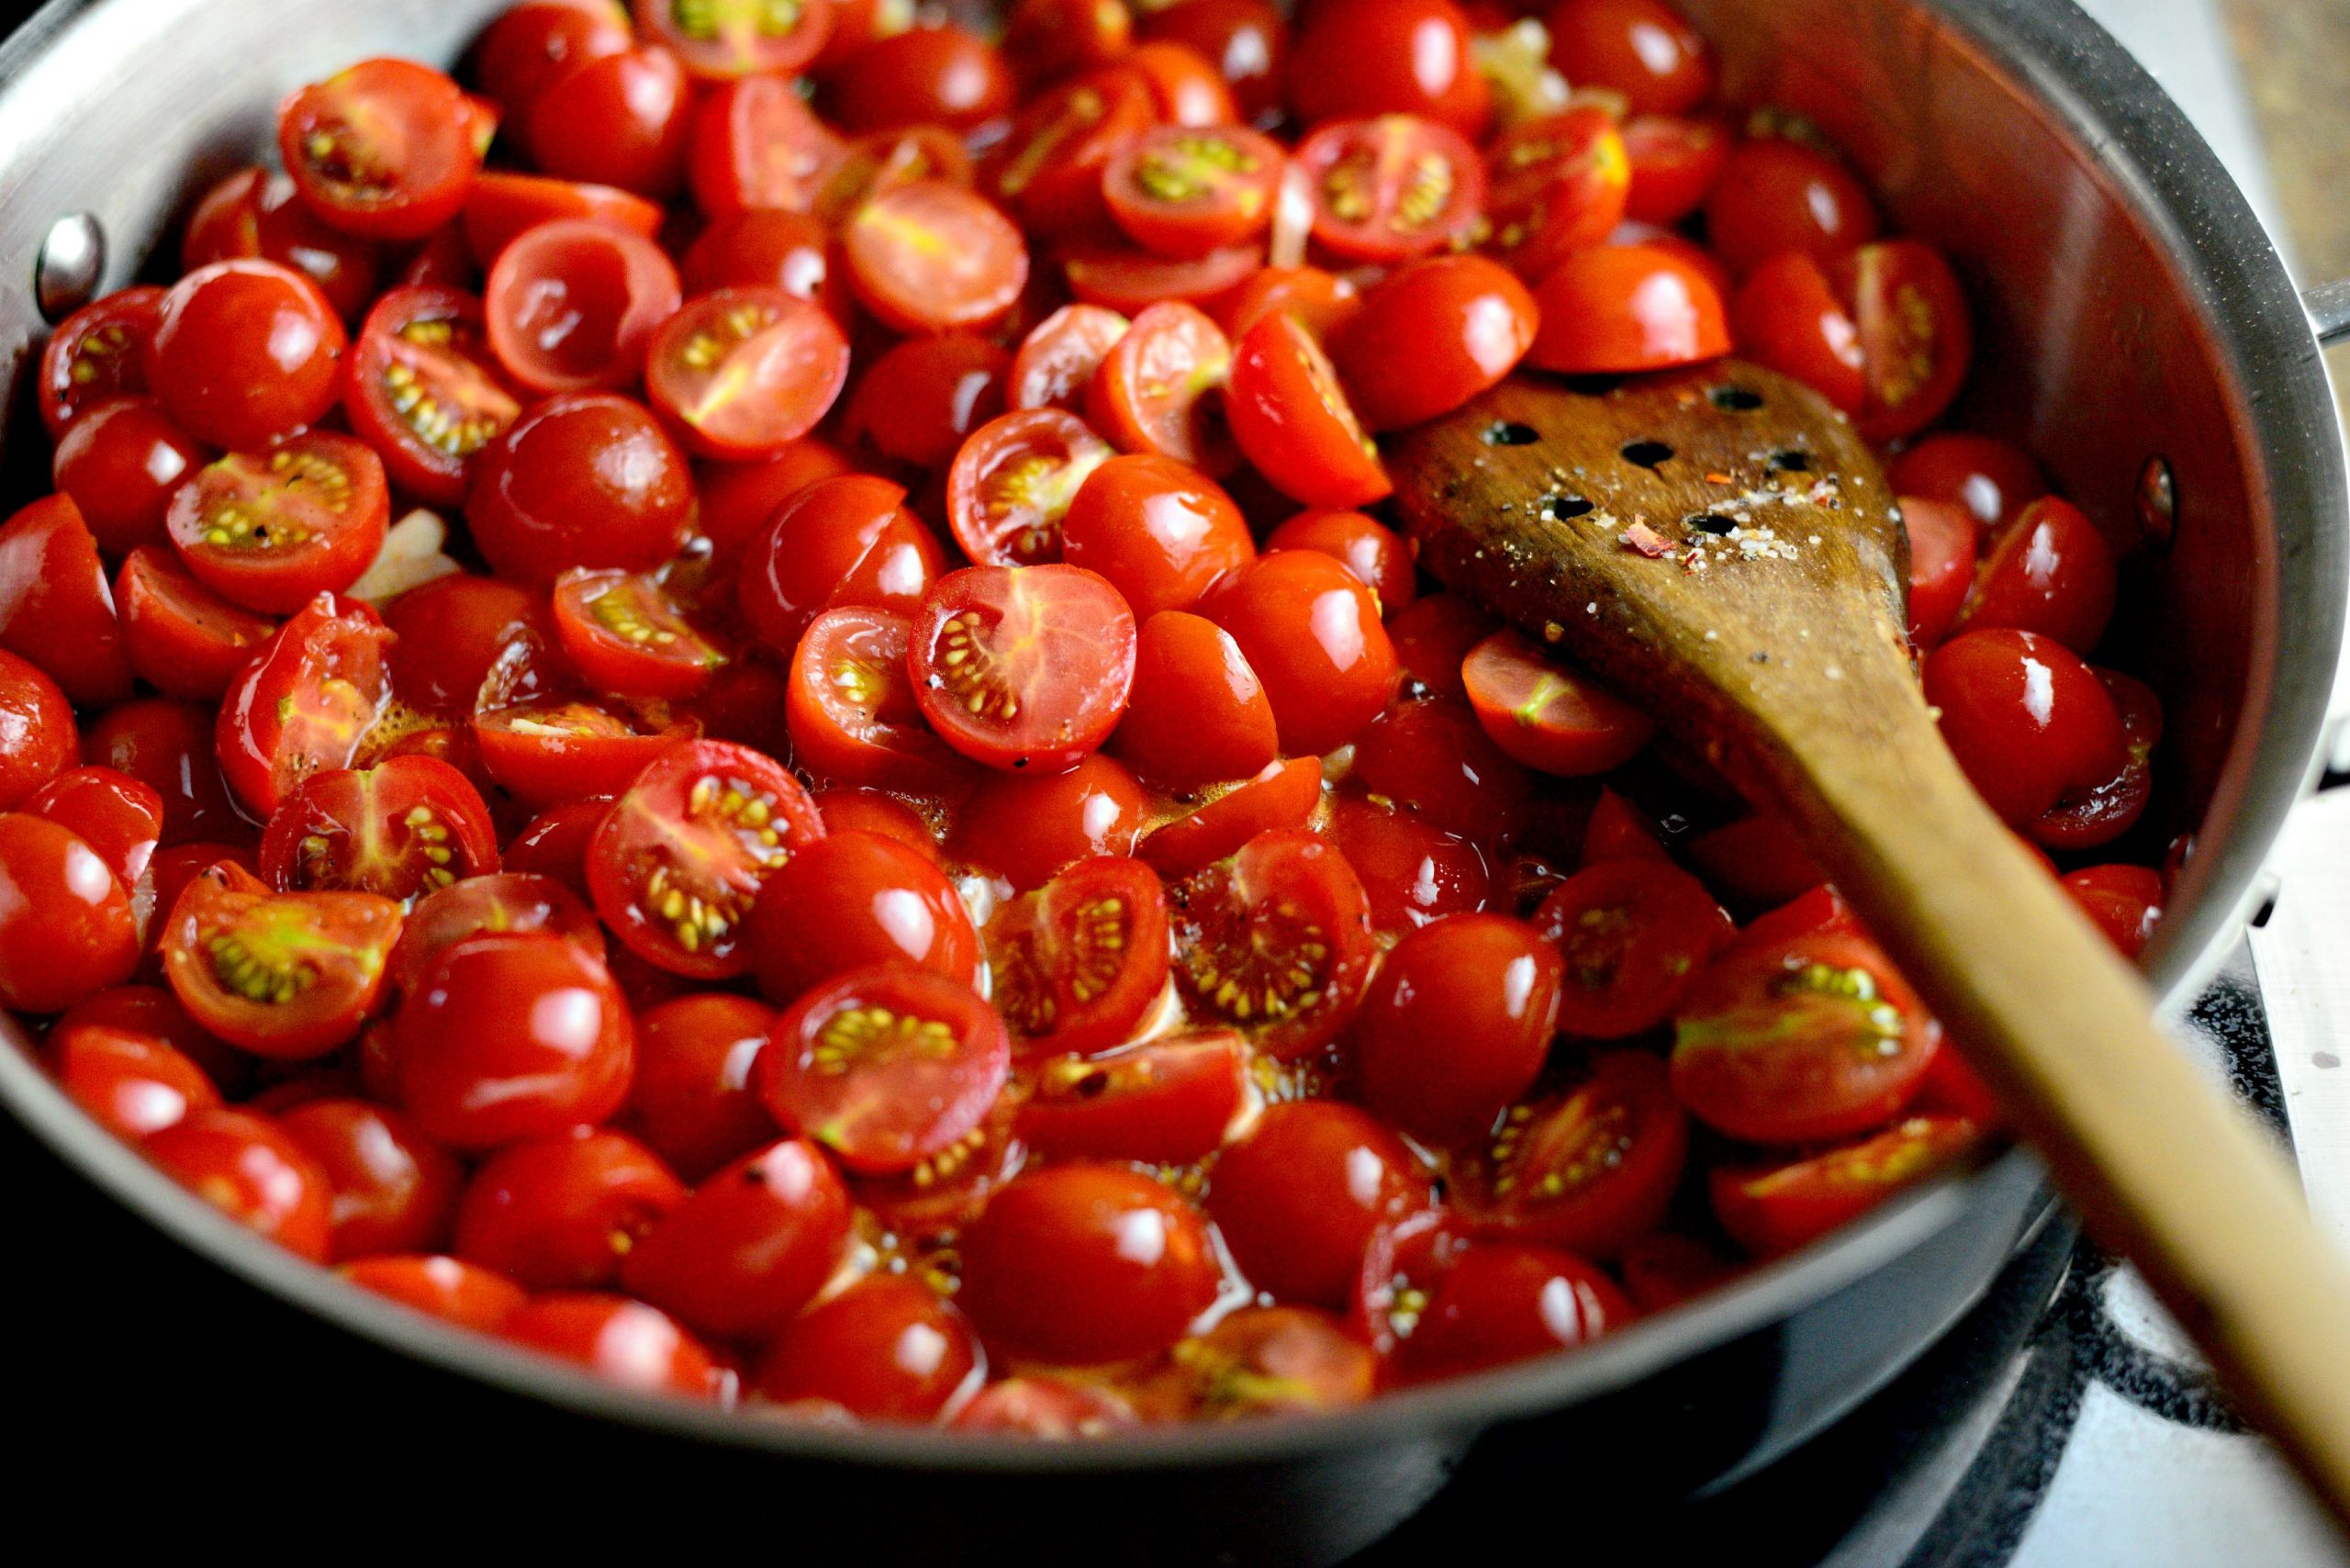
x,y
1372,551
512,1035
1457,1024
1246,41
1675,164
1624,309
1009,491
305,703
1185,87
130,1084
1284,794
1547,716
271,530
441,1287
1045,1409
539,504
1048,1275
392,1190
1432,636
498,902
741,1256
561,1213
920,399
1635,934
1501,1303
1170,1100
736,45
230,944
1642,49
1258,1362
571,305
1023,668
120,463
1154,389
887,1348
1430,338
1198,715
692,1102
55,605
1298,1198
166,745
1355,57
1049,169
1431,757
851,708
1413,874
1589,1170
1160,531
1555,184
932,257
118,816
623,1341
425,392
627,635
1989,479
947,74
852,898
1059,357
97,354
1029,828
1944,540
1772,1211
1775,196
743,373
404,828
506,206
2025,717
841,541
1311,630
1186,191
2051,573
622,120
2125,902
245,1167
1244,928
180,636
414,158
1290,417
245,352
752,146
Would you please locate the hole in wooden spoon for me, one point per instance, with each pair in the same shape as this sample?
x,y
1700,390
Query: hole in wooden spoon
x,y
1561,509
1709,523
1509,432
1791,461
1737,399
1593,386
1646,453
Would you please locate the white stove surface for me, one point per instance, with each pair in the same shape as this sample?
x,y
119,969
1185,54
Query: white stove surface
x,y
2137,1489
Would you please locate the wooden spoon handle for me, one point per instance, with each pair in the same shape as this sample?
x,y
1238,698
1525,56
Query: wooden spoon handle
x,y
2163,1167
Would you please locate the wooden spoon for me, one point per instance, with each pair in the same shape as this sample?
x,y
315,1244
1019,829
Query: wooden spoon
x,y
1718,544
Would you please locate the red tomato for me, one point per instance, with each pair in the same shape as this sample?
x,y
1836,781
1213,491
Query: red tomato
x,y
97,354
1432,637
393,1190
182,638
120,463
1155,391
1943,543
1058,360
1081,1264
1390,188
1291,417
451,631
1635,934
1275,942
1261,1361
852,898
1546,715
512,1035
1817,1037
2026,719
2084,818
307,703
401,829
1311,630
1283,795
1045,1409
1412,873
152,1012
425,392
1012,484
1773,1210
1457,1024
1373,553
272,530
1049,168
585,479
383,148
1189,190
2125,902
1588,1169
853,715
442,1287
1622,308
878,163
289,976
627,633
692,1102
919,401
887,1348
1198,715
622,120
1776,195
930,256
1159,531
498,902
1029,828
1168,1100
504,207
561,1213
1431,337
2050,573
1126,279
1914,335
722,40
1557,183
745,372
1642,49
943,74
571,305
1374,57
1662,1269
1246,41
130,1084
1499,1303
1675,164
753,145
1185,87
1046,38
841,541
621,1341
1323,302
166,745
55,605
1989,479
1429,756
1298,1198
1759,859
243,353
1022,666
1078,962
243,1166
682,855
117,815
750,1247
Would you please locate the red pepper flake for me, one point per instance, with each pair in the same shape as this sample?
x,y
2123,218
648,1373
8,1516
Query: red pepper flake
x,y
1719,479
1646,541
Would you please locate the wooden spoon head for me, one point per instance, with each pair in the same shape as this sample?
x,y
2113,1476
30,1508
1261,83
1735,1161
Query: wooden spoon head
x,y
1716,543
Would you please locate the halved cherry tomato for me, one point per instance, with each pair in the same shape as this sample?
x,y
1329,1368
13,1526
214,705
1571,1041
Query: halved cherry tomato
x,y
131,1085
945,74
383,148
1432,638
1159,529
55,607
561,1213
1775,196
1247,40
1390,188
745,372
878,163
168,746
1989,479
885,1066
1028,828
887,1348
1367,548
1777,1209
401,829
1546,715
845,541
393,1190
920,400
1944,540
2126,902
573,304
1622,308
724,38
1281,795
1635,934
1156,390
120,818
1022,666
242,1165
96,354
1458,1025
584,479
1787,316
506,206
1275,942
1413,874
1198,715
255,213
1368,57
425,392
306,703
1323,302
1168,1100
1290,417
1188,190
691,1101
624,1342
931,256
1499,1303
1817,1037
1058,360
2086,818
271,530
1311,630
120,463
442,1287
1045,1409
496,901
626,633
852,710
1013,483
1644,50
1082,1264
682,855
1555,185
1758,860
1078,962
1261,1361
1588,1169
1184,85
621,120
1044,40
289,976
2027,720
1434,335
182,638
1129,280
2050,572
850,899
244,353
1675,164
1298,1199
66,927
